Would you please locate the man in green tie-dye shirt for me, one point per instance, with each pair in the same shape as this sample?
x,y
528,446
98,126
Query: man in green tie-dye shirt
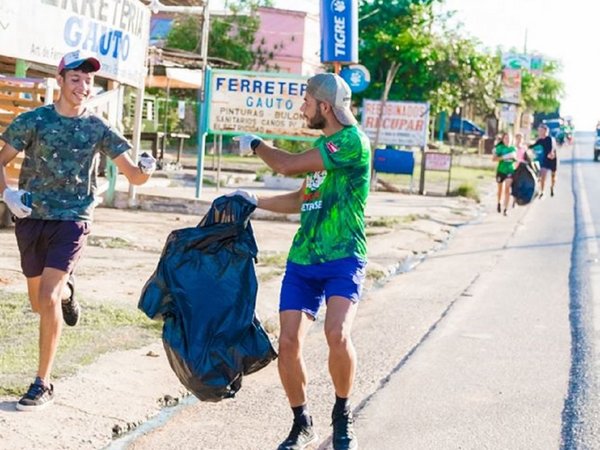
x,y
327,259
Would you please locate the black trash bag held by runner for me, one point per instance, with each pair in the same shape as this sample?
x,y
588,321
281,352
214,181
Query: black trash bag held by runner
x,y
204,288
524,181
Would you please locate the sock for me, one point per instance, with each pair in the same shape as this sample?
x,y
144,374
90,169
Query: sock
x,y
40,382
342,405
67,293
301,416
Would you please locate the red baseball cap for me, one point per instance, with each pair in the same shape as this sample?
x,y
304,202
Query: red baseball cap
x,y
73,60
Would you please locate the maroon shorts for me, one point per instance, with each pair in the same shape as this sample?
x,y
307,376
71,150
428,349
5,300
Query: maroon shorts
x,y
50,243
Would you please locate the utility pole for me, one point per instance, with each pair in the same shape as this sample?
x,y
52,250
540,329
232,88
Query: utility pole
x,y
156,6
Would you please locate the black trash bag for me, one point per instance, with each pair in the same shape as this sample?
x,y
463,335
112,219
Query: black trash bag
x,y
524,183
204,288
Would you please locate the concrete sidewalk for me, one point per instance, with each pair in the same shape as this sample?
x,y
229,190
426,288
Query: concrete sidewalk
x,y
120,391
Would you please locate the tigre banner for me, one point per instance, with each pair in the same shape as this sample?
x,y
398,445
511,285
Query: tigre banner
x,y
44,30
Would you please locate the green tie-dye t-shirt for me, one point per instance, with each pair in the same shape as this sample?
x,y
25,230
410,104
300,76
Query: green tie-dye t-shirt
x,y
505,167
332,217
61,155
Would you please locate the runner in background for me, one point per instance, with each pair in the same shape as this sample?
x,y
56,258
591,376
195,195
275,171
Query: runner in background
x,y
506,155
547,158
520,148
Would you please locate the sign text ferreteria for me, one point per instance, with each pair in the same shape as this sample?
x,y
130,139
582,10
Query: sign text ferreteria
x,y
259,103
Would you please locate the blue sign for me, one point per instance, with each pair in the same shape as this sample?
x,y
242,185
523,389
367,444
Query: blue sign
x,y
357,76
339,31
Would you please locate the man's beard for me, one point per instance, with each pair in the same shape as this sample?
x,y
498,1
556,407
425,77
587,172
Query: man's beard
x,y
317,122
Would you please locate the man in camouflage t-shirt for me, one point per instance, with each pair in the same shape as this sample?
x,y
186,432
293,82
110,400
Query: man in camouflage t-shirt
x,y
53,205
327,259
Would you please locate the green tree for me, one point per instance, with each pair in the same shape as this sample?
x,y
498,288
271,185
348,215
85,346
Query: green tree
x,y
541,92
434,61
466,76
231,36
396,41
415,52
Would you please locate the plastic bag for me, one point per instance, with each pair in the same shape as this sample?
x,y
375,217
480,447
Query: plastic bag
x,y
524,183
204,288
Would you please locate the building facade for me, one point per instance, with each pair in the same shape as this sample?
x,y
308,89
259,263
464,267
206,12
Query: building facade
x,y
289,41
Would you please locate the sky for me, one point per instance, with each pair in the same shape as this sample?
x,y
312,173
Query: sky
x,y
568,31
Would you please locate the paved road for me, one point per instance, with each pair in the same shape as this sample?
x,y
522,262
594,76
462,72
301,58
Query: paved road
x,y
581,416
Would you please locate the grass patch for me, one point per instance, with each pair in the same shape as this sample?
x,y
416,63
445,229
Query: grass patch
x,y
268,276
477,177
278,259
260,173
102,328
109,242
387,222
468,191
375,274
410,218
212,183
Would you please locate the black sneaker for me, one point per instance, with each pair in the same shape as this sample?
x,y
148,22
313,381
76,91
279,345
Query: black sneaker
x,y
551,192
498,208
37,397
343,431
301,436
70,307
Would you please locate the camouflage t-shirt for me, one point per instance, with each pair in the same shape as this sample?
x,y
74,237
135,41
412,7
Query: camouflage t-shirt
x,y
61,156
332,216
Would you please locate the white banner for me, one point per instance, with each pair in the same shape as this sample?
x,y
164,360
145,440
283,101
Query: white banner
x,y
438,161
402,123
44,30
260,103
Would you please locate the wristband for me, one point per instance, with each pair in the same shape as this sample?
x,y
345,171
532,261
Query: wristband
x,y
254,143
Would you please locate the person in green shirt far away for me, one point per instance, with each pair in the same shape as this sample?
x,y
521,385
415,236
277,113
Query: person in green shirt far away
x,y
327,259
506,155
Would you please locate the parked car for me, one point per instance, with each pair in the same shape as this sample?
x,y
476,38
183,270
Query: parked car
x,y
554,126
597,145
465,126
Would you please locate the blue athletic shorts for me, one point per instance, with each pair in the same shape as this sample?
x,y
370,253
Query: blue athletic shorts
x,y
305,287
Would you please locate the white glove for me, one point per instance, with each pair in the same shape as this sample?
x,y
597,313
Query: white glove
x,y
509,157
14,201
147,163
246,195
245,141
